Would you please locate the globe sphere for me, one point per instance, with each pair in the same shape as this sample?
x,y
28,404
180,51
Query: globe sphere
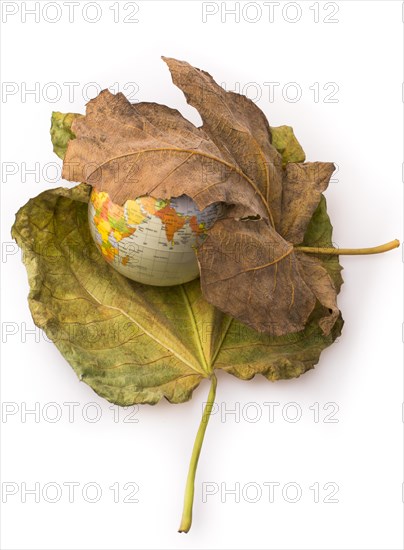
x,y
149,240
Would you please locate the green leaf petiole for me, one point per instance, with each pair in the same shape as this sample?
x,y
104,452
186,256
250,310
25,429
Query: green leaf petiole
x,y
186,520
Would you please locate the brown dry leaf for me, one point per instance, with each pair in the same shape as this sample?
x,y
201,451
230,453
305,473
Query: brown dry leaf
x,y
249,267
237,126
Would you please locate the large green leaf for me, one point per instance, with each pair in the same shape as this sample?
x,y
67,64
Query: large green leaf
x,y
135,343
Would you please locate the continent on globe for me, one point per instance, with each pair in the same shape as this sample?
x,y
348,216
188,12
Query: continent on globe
x,y
149,240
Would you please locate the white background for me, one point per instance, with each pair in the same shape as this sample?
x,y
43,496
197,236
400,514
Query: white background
x,y
361,373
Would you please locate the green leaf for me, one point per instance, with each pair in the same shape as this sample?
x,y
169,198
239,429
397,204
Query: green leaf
x,y
284,140
135,343
61,132
319,234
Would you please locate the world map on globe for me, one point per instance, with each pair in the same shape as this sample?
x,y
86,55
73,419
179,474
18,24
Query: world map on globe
x,y
149,240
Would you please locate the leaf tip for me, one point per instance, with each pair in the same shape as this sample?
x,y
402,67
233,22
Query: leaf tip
x,y
167,60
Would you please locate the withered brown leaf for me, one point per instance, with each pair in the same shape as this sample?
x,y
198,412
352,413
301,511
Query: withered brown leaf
x,y
248,264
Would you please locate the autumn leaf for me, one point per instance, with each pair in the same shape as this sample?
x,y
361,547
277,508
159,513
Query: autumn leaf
x,y
249,266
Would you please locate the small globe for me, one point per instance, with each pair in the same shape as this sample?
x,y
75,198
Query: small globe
x,y
149,240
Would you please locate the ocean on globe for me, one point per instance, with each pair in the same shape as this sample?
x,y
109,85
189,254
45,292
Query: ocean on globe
x,y
151,241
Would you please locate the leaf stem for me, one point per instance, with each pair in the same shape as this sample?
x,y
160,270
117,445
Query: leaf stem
x,y
186,520
350,251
